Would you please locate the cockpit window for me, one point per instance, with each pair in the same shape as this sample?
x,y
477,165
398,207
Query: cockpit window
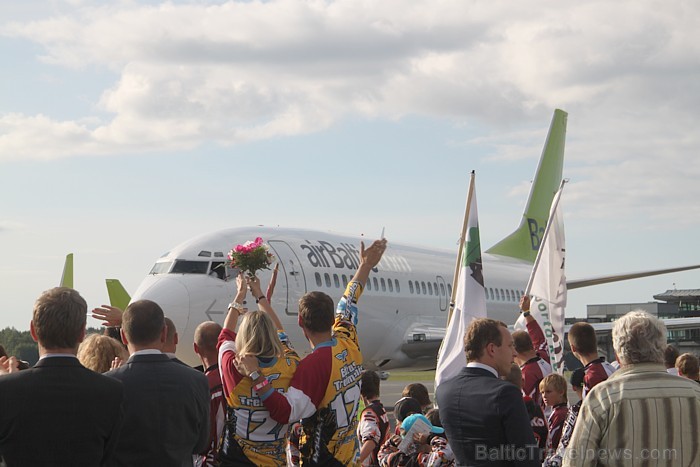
x,y
161,268
190,267
218,270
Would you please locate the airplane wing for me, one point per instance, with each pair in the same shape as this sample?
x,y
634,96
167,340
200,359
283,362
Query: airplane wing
x,y
67,276
118,296
672,324
575,284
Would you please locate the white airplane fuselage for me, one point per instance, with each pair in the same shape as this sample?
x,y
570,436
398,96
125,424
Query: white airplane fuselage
x,y
403,311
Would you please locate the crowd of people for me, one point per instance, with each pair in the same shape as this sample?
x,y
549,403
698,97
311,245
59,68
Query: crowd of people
x,y
125,399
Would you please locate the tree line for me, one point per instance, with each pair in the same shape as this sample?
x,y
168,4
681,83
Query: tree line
x,y
21,345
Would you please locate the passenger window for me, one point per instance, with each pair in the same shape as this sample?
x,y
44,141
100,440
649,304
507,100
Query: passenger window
x,y
369,284
383,284
376,284
318,280
410,286
328,280
391,285
430,288
449,290
345,281
422,287
336,282
442,289
398,289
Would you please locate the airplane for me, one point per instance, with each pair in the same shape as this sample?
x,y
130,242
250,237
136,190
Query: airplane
x,y
404,309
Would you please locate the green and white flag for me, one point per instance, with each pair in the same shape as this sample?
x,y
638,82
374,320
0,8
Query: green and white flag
x,y
547,285
470,298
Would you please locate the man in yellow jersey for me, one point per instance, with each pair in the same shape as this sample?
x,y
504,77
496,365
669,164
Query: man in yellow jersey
x,y
325,390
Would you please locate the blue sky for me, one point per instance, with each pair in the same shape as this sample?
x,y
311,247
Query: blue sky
x,y
129,127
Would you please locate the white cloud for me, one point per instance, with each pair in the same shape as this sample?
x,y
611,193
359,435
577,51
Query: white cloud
x,y
228,72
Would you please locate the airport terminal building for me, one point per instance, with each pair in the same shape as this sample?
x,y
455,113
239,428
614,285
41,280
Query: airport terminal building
x,y
671,305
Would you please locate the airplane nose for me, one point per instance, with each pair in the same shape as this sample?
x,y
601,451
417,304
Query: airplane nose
x,y
172,296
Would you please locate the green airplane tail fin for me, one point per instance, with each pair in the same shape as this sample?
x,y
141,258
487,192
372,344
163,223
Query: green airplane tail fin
x,y
67,276
524,242
118,296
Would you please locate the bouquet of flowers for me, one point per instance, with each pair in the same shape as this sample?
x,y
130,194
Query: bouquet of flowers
x,y
250,257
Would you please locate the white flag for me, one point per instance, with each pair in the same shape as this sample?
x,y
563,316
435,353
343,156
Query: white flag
x,y
470,299
547,285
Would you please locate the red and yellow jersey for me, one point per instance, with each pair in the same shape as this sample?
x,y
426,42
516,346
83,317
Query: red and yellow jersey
x,y
325,392
262,440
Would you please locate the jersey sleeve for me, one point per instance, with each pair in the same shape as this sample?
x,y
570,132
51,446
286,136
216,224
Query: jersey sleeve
x,y
230,376
306,390
368,428
539,342
346,312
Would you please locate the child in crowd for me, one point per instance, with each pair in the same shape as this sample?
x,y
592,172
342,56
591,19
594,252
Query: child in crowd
x,y
553,389
373,428
537,420
403,408
425,449
420,393
555,460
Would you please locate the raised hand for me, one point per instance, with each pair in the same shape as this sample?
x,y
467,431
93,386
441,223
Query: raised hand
x,y
372,255
111,315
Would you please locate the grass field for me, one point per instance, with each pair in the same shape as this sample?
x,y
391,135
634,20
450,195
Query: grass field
x,y
411,375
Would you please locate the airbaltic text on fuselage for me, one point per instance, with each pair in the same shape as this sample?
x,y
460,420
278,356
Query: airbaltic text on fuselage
x,y
323,254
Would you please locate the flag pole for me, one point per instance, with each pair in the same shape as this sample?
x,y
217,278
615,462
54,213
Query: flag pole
x,y
552,210
460,251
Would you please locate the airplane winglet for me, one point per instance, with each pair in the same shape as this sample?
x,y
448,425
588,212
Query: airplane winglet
x,y
524,242
118,296
67,276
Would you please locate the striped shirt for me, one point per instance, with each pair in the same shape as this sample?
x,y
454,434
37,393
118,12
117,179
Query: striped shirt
x,y
640,416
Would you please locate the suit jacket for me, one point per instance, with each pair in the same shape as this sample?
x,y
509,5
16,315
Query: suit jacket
x,y
486,421
166,412
59,413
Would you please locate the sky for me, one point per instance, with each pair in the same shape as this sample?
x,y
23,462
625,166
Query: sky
x,y
128,127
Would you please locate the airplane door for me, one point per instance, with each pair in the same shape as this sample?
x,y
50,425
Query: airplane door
x,y
442,293
291,283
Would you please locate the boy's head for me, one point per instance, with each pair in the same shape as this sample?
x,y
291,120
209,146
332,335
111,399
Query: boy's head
x,y
316,312
582,339
420,393
577,381
515,376
369,388
405,407
688,366
553,389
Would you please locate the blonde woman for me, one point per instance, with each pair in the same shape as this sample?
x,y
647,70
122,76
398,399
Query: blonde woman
x,y
97,352
251,436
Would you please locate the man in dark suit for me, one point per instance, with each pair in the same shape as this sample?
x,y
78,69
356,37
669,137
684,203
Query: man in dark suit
x,y
484,417
166,405
59,412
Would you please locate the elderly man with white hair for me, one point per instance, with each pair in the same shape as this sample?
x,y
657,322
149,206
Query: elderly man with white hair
x,y
641,415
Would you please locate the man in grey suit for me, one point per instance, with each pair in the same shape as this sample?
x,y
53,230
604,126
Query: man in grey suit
x,y
484,417
166,405
59,412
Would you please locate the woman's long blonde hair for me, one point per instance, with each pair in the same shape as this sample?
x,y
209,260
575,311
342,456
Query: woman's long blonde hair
x,y
257,336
